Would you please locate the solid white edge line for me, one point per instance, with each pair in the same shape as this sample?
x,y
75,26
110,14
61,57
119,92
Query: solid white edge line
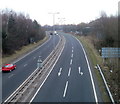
x,y
65,90
91,77
46,76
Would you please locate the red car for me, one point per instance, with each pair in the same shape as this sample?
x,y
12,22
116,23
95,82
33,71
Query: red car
x,y
8,67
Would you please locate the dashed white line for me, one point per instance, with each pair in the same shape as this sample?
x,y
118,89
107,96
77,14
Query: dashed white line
x,y
59,73
11,75
72,55
65,90
72,50
71,62
25,65
69,71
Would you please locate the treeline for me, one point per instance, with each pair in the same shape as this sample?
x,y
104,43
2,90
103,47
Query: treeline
x,y
104,30
18,30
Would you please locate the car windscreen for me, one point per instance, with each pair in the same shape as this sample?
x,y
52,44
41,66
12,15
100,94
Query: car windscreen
x,y
8,66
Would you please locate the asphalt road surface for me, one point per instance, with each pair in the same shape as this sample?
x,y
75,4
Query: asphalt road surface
x,y
25,66
71,79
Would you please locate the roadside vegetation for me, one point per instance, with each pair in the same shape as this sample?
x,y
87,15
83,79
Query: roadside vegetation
x,y
18,30
99,33
20,34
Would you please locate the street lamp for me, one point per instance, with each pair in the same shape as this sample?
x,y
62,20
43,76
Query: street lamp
x,y
54,26
54,19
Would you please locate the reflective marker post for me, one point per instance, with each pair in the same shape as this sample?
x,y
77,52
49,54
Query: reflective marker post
x,y
39,62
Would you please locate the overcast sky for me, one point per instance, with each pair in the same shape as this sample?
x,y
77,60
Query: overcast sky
x,y
74,11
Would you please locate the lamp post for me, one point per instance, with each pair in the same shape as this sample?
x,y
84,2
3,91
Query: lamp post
x,y
54,13
54,19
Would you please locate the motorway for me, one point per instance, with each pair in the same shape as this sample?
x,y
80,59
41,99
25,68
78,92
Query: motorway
x,y
71,79
25,66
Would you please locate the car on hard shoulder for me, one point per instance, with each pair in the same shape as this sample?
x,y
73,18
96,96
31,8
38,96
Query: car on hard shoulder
x,y
8,67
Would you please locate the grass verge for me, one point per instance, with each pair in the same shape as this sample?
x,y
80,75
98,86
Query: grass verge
x,y
24,50
95,59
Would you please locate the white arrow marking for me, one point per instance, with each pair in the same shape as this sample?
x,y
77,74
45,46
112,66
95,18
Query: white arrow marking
x,y
59,73
81,73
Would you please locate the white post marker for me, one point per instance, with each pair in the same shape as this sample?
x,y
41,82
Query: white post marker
x,y
59,73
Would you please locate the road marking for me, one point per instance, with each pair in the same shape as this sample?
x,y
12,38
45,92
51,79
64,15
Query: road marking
x,y
72,55
71,62
65,90
11,75
79,70
91,77
81,73
47,74
25,65
31,51
34,58
72,50
59,73
69,71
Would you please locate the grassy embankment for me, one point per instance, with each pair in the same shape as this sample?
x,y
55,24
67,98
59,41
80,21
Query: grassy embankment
x,y
95,59
24,50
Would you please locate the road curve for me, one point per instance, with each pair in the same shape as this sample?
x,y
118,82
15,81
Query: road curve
x,y
25,66
71,79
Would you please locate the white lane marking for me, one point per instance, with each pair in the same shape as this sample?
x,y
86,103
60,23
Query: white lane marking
x,y
31,51
71,62
69,71
72,55
11,75
81,73
25,65
65,90
47,75
91,77
34,58
72,50
59,73
79,70
72,47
